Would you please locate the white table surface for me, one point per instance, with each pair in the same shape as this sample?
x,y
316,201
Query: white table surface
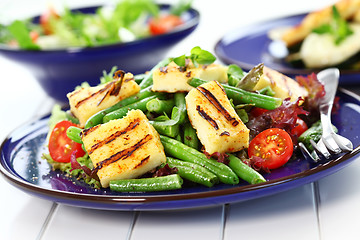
x,y
326,209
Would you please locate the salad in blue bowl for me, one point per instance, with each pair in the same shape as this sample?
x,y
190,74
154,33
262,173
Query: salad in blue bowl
x,y
65,48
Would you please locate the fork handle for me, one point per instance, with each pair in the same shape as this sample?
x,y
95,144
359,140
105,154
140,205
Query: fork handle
x,y
325,116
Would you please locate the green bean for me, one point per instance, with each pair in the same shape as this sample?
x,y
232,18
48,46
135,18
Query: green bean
x,y
190,137
163,183
139,77
244,171
267,91
148,80
194,166
181,151
242,96
192,175
179,113
178,137
74,134
200,155
121,112
249,81
180,103
97,118
160,106
168,130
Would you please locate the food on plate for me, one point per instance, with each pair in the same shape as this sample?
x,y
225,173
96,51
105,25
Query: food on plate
x,y
327,37
85,102
124,148
173,79
283,86
216,122
125,21
223,125
274,145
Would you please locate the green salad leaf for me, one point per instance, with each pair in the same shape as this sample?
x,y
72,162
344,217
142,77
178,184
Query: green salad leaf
x,y
180,7
22,34
108,77
338,27
197,56
235,74
200,56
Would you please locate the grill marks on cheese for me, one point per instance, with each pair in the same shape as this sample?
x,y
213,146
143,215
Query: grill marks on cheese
x,y
112,89
205,116
124,148
212,99
125,154
217,125
85,102
112,137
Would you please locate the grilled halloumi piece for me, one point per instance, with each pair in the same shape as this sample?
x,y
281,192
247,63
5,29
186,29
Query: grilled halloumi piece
x,y
282,85
85,102
218,126
125,148
174,78
346,8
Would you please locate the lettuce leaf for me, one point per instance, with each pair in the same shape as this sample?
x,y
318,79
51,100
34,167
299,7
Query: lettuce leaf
x,y
22,35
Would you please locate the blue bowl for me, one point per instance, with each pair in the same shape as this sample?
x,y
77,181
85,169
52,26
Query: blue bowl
x,y
60,71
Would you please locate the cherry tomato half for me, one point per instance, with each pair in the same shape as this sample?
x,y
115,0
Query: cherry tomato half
x,y
164,24
274,145
60,146
45,20
300,127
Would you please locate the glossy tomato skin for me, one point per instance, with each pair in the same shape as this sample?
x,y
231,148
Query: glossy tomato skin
x,y
164,24
300,127
274,146
60,146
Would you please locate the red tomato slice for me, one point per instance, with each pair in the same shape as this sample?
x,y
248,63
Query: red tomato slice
x,y
164,24
274,146
45,20
60,146
300,127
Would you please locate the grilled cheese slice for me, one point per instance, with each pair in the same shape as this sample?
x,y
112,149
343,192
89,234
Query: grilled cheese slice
x,y
125,148
218,126
283,86
85,102
174,78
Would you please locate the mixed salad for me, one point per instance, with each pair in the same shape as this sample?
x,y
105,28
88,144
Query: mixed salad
x,y
125,21
187,121
325,38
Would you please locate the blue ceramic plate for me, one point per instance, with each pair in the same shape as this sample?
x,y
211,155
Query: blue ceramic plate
x,y
249,46
21,165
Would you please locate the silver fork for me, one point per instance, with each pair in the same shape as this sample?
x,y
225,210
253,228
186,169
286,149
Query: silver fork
x,y
330,142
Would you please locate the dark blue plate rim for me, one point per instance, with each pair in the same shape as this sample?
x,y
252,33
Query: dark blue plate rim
x,y
171,200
